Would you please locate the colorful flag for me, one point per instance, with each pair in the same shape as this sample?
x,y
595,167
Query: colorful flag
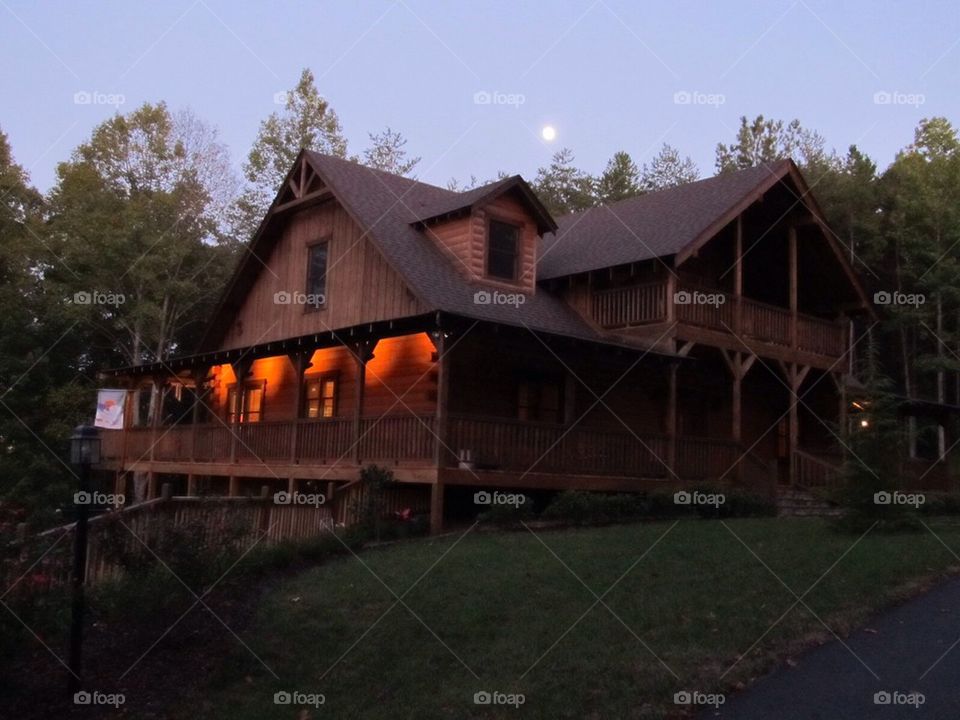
x,y
110,404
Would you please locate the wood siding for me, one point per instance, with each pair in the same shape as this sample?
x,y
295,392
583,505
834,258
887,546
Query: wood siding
x,y
465,241
361,286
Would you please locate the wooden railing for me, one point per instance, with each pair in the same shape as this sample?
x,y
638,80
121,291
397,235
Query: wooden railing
x,y
813,472
706,459
633,305
710,308
325,441
767,323
391,438
237,522
498,444
399,437
820,336
263,441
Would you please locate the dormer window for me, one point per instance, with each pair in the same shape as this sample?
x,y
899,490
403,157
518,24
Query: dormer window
x,y
503,244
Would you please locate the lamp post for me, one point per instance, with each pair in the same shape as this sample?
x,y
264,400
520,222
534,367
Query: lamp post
x,y
84,452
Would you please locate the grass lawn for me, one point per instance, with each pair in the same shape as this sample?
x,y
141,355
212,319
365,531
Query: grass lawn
x,y
500,611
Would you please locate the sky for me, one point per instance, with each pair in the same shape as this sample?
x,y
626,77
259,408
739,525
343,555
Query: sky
x,y
472,84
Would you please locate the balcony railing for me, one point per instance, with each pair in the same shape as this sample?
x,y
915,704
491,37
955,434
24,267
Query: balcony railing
x,y
494,444
319,442
637,305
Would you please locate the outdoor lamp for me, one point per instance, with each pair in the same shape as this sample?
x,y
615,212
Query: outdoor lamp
x,y
85,446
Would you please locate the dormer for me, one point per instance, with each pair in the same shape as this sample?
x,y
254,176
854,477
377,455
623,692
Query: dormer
x,y
491,233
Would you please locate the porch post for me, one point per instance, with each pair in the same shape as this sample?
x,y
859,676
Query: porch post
x,y
795,377
738,279
200,376
241,368
363,353
157,413
301,363
672,419
440,449
792,251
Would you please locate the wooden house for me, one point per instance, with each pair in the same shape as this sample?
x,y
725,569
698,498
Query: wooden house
x,y
470,340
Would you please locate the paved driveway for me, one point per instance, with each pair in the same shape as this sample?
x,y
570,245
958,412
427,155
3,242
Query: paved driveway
x,y
830,683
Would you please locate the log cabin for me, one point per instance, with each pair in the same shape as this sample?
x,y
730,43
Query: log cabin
x,y
469,340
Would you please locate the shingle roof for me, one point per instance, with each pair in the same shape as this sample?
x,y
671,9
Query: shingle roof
x,y
386,205
657,224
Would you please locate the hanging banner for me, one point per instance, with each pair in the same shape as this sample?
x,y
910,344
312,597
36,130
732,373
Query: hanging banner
x,y
110,405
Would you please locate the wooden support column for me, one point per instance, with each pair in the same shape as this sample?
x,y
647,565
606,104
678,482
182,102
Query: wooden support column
x,y
241,369
363,353
440,450
738,279
569,399
795,374
671,289
671,420
301,363
233,489
792,252
156,415
199,388
443,395
436,507
191,485
739,365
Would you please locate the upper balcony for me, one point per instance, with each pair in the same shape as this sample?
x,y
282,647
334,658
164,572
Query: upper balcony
x,y
696,309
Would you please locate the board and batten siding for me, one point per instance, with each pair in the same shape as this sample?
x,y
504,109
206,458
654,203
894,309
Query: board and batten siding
x,y
361,286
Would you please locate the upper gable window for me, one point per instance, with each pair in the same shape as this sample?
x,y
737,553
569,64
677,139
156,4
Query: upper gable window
x,y
503,245
316,290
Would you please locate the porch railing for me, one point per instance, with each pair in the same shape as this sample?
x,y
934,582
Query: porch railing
x,y
647,303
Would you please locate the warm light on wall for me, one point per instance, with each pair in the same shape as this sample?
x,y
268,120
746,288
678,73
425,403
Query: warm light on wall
x,y
864,423
390,352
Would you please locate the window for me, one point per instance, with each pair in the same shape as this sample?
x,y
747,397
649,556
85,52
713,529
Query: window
x,y
316,291
538,401
502,246
251,409
321,401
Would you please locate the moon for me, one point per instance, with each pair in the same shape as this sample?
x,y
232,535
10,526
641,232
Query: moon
x,y
548,133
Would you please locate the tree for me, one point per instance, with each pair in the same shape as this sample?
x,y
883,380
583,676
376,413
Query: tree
x,y
620,179
388,152
562,187
43,391
921,227
306,122
667,170
135,226
762,142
